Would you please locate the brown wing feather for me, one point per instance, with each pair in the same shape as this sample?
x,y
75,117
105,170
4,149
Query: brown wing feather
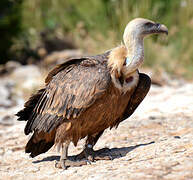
x,y
102,58
61,67
69,92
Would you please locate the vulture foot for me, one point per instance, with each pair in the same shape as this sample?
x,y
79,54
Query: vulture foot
x,y
91,155
88,154
65,163
103,154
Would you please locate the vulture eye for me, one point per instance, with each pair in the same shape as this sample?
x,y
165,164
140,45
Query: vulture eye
x,y
148,24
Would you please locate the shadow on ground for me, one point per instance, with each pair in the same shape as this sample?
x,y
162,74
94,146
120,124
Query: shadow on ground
x,y
101,153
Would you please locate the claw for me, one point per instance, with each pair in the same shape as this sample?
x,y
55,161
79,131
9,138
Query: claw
x,y
60,164
103,154
90,157
89,153
75,163
56,164
88,162
63,164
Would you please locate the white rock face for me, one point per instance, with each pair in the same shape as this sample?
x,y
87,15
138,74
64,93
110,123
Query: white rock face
x,y
22,80
27,78
4,94
26,72
9,103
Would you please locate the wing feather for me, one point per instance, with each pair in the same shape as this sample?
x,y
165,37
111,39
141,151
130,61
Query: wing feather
x,y
69,92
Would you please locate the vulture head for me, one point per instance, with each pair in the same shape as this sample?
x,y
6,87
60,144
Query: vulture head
x,y
139,28
125,59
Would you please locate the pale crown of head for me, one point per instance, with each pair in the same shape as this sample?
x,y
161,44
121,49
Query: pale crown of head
x,y
139,28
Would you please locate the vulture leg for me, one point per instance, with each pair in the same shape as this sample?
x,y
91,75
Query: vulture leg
x,y
88,151
64,162
63,157
90,154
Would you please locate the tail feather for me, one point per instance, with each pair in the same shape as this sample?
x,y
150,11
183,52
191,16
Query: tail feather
x,y
36,148
24,114
40,142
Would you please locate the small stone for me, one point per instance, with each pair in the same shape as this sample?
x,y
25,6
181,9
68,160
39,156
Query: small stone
x,y
152,117
7,120
177,137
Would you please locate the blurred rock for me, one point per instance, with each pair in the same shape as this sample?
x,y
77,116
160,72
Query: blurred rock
x,y
53,42
26,72
27,78
7,120
42,52
5,93
158,78
9,67
9,102
60,56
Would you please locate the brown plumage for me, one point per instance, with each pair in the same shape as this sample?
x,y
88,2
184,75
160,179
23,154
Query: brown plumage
x,y
86,95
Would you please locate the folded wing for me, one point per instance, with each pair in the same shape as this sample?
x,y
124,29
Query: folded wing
x,y
70,90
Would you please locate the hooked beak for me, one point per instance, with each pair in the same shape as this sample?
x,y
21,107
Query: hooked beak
x,y
160,28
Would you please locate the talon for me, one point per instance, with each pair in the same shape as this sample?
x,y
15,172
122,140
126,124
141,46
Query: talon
x,y
109,154
89,153
63,164
90,158
103,154
88,162
56,164
111,158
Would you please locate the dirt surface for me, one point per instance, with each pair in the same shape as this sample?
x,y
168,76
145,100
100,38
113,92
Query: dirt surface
x,y
155,143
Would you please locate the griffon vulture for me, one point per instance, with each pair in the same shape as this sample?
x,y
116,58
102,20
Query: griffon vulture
x,y
84,96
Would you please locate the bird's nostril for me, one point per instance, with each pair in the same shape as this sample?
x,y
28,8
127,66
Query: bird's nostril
x,y
158,25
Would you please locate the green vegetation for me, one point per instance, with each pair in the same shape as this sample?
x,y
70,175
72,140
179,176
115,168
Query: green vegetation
x,y
97,25
10,26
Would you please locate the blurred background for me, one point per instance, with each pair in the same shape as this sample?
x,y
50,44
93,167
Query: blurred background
x,y
33,30
36,35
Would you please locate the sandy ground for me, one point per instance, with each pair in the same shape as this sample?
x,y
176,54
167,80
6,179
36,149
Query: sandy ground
x,y
155,143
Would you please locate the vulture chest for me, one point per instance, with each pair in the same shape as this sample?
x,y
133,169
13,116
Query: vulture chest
x,y
105,112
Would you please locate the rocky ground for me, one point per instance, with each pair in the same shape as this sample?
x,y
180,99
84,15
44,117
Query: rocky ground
x,y
155,143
